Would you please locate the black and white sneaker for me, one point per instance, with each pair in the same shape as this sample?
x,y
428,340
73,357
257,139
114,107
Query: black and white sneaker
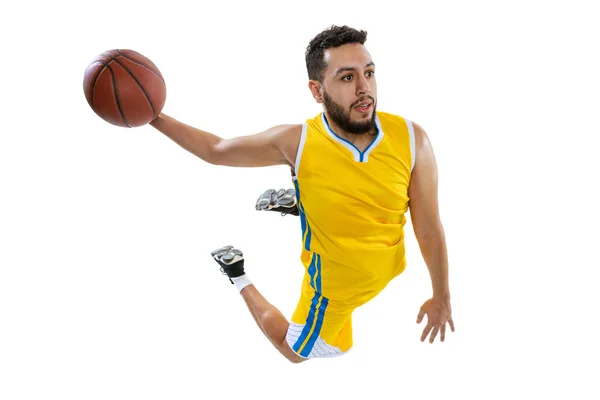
x,y
282,201
231,261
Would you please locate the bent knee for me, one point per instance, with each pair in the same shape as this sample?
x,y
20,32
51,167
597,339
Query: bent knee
x,y
285,349
275,326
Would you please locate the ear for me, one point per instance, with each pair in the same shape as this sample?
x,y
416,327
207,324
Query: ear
x,y
315,90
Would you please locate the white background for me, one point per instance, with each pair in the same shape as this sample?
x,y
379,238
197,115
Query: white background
x,y
107,288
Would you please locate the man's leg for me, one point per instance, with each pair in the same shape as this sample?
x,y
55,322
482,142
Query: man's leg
x,y
269,319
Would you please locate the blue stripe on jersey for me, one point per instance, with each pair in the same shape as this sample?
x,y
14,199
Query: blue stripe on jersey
x,y
309,322
306,233
361,153
313,337
312,272
318,281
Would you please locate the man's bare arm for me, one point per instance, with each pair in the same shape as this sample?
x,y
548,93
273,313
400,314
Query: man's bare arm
x,y
274,146
424,212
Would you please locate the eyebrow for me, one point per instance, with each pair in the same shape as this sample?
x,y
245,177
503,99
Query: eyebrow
x,y
345,69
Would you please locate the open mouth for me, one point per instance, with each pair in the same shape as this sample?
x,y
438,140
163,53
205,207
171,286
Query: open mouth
x,y
364,107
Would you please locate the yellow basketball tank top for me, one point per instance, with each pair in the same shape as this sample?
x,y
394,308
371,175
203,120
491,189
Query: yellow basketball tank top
x,y
352,204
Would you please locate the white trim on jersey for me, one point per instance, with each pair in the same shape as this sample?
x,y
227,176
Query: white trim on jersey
x,y
341,140
378,139
320,348
300,148
358,155
411,133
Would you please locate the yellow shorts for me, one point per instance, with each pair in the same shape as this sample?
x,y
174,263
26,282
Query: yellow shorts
x,y
321,325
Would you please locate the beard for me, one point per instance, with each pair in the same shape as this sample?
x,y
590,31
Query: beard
x,y
342,117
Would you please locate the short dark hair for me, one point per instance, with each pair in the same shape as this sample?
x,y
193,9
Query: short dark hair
x,y
331,37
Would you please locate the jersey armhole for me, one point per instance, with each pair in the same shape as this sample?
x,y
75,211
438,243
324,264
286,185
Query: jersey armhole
x,y
300,149
411,134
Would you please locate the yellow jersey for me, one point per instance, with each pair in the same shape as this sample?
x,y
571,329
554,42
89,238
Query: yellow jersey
x,y
352,206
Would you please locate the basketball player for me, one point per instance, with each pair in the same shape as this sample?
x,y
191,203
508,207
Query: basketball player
x,y
356,172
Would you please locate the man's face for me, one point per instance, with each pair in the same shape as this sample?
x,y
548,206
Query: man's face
x,y
349,89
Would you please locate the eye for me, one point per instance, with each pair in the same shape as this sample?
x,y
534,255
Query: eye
x,y
370,73
347,77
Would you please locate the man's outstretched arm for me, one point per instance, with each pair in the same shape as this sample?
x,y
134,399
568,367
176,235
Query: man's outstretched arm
x,y
425,217
274,146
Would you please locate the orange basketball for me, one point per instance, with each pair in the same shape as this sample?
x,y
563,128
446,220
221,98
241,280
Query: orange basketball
x,y
124,88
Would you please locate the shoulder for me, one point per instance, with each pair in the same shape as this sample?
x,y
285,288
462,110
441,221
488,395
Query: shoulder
x,y
415,129
286,130
286,137
286,133
423,154
420,146
292,134
421,138
416,132
290,137
393,121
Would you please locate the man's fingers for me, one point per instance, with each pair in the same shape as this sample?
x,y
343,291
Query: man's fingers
x,y
443,332
451,323
421,315
426,332
434,333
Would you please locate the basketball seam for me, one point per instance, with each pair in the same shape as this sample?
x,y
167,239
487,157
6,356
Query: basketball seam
x,y
142,64
117,94
94,83
139,84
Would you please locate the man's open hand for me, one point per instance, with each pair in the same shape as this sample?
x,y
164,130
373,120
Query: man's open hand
x,y
438,313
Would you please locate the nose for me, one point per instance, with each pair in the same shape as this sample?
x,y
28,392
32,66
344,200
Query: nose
x,y
362,86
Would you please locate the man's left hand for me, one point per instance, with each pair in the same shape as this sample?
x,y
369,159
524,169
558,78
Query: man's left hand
x,y
438,313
